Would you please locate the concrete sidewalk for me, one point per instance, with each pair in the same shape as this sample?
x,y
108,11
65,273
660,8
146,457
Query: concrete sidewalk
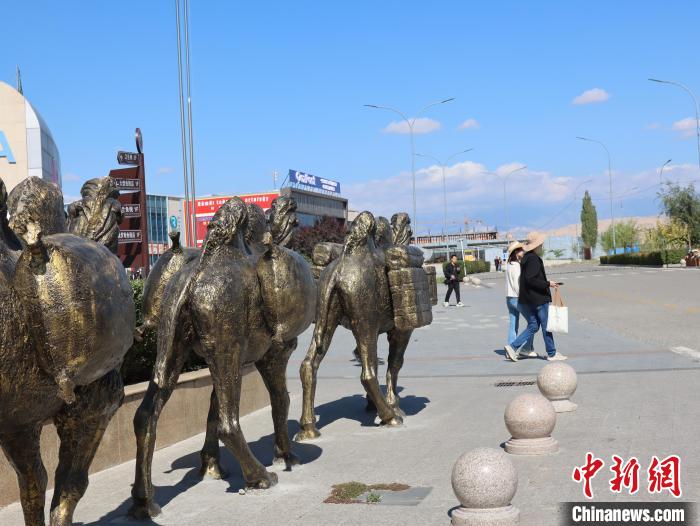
x,y
636,398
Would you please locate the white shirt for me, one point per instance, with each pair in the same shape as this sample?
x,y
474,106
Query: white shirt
x,y
512,279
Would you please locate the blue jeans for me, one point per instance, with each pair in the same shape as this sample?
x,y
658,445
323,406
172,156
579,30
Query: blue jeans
x,y
536,316
514,323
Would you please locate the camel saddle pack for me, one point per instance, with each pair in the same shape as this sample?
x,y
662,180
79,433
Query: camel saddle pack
x,y
413,292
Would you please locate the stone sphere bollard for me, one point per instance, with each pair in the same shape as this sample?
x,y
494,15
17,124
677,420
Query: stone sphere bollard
x,y
530,418
484,481
557,382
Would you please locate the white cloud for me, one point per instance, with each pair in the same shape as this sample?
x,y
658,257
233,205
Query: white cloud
x,y
68,199
470,124
474,194
165,170
421,125
686,127
591,96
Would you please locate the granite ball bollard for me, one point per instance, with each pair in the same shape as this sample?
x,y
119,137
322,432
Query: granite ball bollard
x,y
530,418
557,382
484,481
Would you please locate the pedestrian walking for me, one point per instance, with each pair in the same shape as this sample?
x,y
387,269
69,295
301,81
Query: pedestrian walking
x,y
515,253
497,264
534,299
453,276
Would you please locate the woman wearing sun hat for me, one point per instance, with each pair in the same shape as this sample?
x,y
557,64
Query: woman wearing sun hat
x,y
534,299
515,253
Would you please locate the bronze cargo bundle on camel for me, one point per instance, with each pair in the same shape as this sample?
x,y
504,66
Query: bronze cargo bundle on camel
x,y
408,282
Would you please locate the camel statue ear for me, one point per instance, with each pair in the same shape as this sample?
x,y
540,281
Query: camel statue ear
x,y
3,196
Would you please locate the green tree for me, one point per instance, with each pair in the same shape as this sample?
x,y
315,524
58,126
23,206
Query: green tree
x,y
665,236
589,222
626,235
682,204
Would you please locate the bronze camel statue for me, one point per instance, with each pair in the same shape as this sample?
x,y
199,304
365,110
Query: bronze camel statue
x,y
66,321
232,305
354,292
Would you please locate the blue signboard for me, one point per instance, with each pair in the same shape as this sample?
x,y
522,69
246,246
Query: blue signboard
x,y
173,223
296,177
5,149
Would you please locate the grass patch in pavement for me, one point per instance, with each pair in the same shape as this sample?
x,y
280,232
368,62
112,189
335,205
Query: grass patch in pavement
x,y
348,492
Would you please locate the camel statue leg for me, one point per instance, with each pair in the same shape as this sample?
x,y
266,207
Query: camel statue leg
x,y
145,424
273,369
211,465
398,342
308,371
366,337
23,453
224,364
80,427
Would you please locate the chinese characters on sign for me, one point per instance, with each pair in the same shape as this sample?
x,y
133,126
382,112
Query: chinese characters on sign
x,y
129,236
131,210
127,185
662,475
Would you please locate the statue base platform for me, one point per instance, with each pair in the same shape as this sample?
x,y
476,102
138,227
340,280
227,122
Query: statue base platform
x,y
532,446
506,516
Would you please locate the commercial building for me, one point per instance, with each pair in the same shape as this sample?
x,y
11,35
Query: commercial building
x,y
27,147
165,213
311,206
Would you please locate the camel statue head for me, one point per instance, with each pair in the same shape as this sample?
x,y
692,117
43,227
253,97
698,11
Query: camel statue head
x,y
384,236
361,232
36,209
282,219
228,226
257,225
97,215
401,228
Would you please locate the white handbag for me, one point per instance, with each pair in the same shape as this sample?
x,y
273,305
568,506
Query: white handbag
x,y
558,315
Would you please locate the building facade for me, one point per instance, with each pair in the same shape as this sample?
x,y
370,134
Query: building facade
x,y
27,147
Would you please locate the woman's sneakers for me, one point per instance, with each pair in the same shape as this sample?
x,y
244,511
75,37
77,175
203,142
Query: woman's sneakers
x,y
510,353
557,357
460,304
446,304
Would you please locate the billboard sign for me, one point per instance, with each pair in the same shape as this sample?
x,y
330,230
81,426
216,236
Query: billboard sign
x,y
319,183
206,207
5,149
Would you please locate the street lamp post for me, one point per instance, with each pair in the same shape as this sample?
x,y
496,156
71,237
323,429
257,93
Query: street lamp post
x,y
505,195
695,102
661,171
444,190
410,123
612,212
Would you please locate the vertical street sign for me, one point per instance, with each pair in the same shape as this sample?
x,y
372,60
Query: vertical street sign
x,y
133,230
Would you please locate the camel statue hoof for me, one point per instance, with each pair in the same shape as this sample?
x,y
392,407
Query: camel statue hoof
x,y
212,469
144,509
287,459
398,411
393,422
266,481
307,434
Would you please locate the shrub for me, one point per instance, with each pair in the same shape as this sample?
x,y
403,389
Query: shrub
x,y
651,259
470,267
140,359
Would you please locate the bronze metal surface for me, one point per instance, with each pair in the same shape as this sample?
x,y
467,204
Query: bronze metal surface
x,y
66,321
233,304
97,215
354,291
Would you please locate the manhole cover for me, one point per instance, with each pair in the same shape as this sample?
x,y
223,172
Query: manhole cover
x,y
516,383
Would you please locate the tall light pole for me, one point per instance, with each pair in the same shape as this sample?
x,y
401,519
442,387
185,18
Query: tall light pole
x,y
444,190
661,171
410,123
612,212
505,194
695,102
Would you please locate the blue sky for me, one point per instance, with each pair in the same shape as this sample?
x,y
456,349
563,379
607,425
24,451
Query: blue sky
x,y
279,85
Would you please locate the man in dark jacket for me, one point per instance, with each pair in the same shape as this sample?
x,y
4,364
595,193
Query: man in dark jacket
x,y
534,299
452,276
